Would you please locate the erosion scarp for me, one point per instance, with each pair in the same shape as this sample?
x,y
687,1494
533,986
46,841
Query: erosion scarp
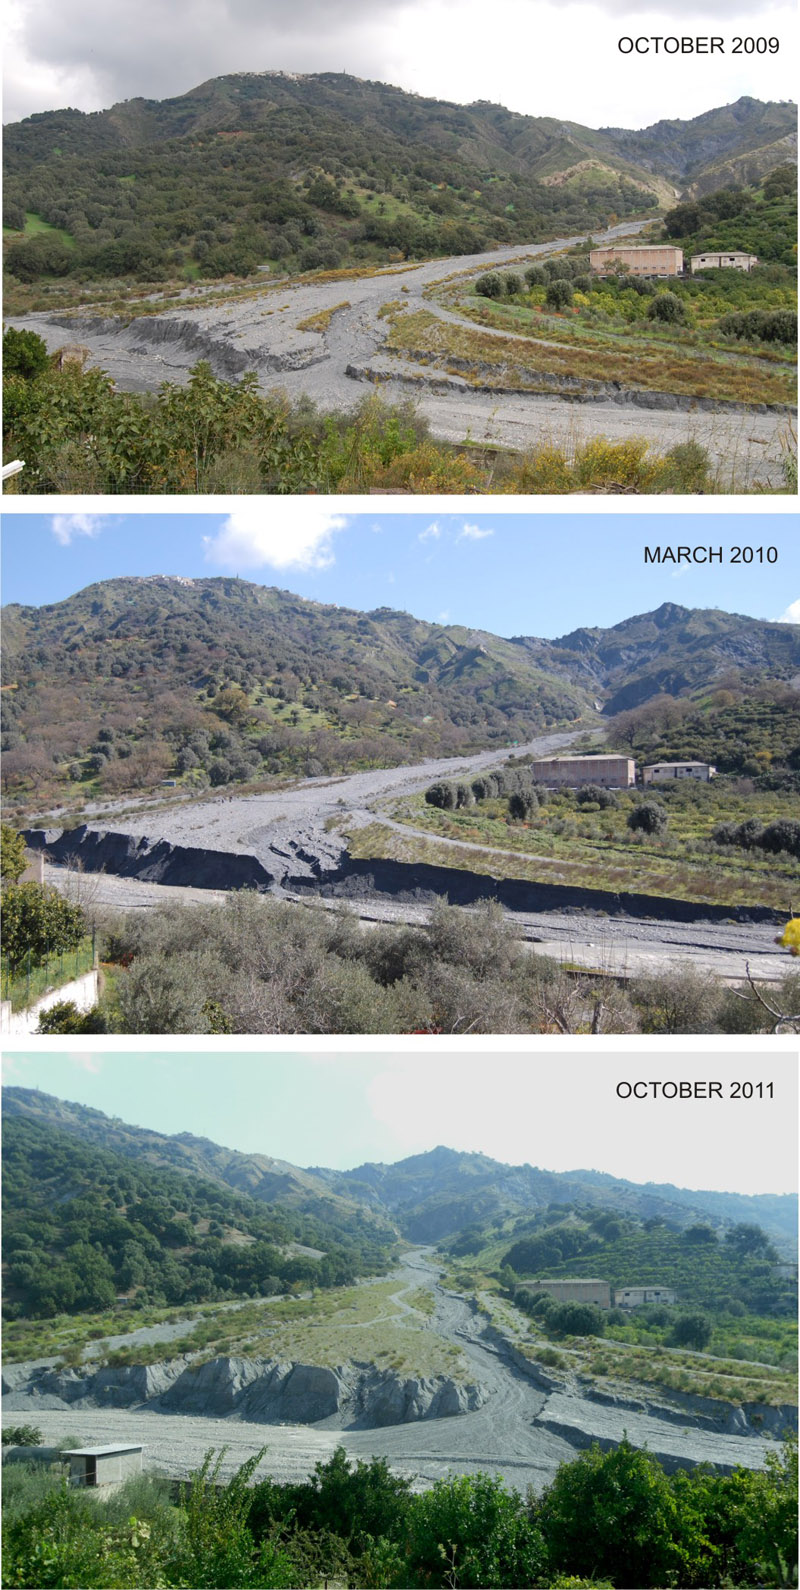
x,y
265,1391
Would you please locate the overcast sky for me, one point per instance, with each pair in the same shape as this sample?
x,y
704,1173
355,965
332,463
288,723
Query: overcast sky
x,y
539,58
510,573
558,1112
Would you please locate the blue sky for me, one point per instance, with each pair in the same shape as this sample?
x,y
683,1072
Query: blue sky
x,y
340,1110
535,574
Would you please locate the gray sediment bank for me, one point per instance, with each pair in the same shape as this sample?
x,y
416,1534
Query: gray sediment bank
x,y
165,862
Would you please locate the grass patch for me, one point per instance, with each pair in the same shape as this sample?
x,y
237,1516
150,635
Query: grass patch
x,y
321,321
520,361
595,850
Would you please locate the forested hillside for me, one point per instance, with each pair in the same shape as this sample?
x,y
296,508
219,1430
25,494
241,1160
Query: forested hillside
x,y
707,1267
217,681
303,172
85,1225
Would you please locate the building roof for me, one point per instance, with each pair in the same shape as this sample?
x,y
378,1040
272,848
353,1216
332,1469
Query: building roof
x,y
102,1451
678,764
572,1280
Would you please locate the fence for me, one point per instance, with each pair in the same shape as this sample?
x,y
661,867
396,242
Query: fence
x,y
34,977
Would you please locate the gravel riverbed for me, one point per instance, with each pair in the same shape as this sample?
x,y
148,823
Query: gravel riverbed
x,y
262,332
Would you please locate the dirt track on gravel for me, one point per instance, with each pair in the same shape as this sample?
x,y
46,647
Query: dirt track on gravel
x,y
262,332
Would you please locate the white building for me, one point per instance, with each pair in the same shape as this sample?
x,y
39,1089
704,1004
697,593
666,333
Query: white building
x,y
731,261
663,772
637,1296
103,1465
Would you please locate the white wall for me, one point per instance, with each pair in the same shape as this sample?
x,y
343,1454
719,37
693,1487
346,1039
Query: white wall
x,y
84,991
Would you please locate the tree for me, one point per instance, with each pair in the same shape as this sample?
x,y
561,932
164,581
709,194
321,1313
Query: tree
x,y
22,1435
668,308
490,285
648,818
747,1238
594,795
24,353
38,921
12,854
521,806
576,1319
783,834
612,1514
692,1330
66,1017
559,294
470,1531
442,795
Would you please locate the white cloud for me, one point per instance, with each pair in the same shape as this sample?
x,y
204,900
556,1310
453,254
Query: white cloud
x,y
88,1062
432,533
473,532
298,536
792,614
13,1069
66,526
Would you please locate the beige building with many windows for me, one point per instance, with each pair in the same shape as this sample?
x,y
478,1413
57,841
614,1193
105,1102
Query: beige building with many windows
x,y
574,1289
610,772
655,259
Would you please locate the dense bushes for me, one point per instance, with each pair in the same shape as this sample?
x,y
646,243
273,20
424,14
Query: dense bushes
x,y
78,434
607,1518
253,965
777,325
648,818
68,1246
782,835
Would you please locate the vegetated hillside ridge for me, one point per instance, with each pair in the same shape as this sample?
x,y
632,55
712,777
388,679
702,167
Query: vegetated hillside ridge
x,y
259,1176
222,680
436,1194
423,1197
675,651
307,171
734,143
85,1223
245,101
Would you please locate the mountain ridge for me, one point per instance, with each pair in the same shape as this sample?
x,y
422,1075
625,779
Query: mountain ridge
x,y
424,1195
327,169
229,679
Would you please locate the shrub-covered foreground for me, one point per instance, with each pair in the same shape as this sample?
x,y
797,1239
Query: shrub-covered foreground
x,y
77,434
608,1519
255,965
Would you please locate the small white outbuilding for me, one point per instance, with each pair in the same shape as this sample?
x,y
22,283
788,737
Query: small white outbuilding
x,y
103,1465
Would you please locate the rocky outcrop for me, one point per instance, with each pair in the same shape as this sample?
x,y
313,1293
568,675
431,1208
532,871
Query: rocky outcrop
x,y
267,1391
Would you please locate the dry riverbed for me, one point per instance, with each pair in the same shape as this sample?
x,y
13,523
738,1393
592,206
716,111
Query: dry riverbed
x,y
293,836
325,340
529,1422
